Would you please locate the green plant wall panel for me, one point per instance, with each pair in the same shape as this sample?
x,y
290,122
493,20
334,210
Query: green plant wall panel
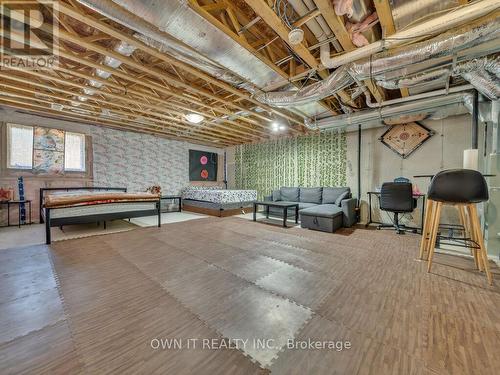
x,y
308,161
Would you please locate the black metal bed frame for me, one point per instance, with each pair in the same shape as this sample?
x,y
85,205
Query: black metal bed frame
x,y
58,222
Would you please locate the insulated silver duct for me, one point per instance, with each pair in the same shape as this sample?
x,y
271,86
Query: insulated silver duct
x,y
482,73
160,40
200,62
415,80
436,25
430,105
338,80
122,48
484,82
395,64
491,64
174,28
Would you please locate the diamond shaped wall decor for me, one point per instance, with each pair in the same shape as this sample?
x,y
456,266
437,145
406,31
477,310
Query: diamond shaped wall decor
x,y
403,139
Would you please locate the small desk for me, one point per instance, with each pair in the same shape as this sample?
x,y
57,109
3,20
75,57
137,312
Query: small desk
x,y
377,193
283,206
173,197
18,203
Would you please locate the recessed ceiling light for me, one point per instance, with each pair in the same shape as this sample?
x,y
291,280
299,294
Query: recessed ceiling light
x,y
194,118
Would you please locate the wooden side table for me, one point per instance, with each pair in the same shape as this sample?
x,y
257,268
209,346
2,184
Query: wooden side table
x,y
18,203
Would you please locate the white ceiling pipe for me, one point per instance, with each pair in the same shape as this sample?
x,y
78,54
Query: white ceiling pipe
x,y
435,26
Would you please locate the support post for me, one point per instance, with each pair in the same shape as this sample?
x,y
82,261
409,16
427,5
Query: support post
x,y
359,165
47,226
475,121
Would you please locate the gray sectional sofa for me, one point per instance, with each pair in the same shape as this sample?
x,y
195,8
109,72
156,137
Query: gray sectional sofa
x,y
323,208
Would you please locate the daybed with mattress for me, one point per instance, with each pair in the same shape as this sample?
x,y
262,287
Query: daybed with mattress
x,y
64,206
216,201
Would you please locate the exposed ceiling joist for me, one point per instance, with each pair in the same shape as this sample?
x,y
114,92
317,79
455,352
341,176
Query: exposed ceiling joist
x,y
384,12
45,110
153,52
261,8
338,27
113,100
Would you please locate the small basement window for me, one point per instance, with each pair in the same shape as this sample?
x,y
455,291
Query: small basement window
x,y
74,152
20,146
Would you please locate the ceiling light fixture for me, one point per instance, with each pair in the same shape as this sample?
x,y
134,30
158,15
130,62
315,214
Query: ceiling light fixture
x,y
275,126
194,118
296,36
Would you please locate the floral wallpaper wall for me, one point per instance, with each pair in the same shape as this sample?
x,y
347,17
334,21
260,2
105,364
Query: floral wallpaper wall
x,y
138,161
314,160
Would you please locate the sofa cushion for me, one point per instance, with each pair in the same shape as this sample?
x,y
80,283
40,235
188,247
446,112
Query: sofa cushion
x,y
302,205
322,210
311,195
276,195
290,194
344,195
330,194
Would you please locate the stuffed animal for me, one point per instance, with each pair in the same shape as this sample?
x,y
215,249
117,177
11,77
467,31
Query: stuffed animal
x,y
155,189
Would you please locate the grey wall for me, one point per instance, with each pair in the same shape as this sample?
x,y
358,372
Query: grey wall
x,y
444,150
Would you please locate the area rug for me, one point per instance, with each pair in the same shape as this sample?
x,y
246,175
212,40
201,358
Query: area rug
x,y
69,232
166,218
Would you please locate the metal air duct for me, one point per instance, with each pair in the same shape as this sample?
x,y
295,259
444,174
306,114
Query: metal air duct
x,y
435,26
484,82
162,25
430,105
395,65
416,80
158,39
338,80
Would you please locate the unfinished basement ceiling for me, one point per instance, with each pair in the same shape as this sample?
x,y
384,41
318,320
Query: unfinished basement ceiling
x,y
405,12
144,65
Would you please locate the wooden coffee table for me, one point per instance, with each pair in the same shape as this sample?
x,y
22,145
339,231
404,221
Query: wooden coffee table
x,y
283,206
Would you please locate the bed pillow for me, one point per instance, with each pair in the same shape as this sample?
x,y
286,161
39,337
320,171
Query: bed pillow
x,y
331,194
311,195
289,194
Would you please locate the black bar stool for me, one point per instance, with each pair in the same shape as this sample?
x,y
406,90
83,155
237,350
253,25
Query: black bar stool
x,y
462,188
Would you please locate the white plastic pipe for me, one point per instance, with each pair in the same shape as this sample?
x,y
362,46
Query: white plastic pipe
x,y
471,159
435,26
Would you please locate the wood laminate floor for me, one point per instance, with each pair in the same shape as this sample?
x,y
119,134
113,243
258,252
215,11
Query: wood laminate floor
x,y
244,295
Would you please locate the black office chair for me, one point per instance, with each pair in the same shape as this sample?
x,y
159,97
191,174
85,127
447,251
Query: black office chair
x,y
397,197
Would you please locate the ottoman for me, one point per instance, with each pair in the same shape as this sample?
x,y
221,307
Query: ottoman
x,y
324,217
